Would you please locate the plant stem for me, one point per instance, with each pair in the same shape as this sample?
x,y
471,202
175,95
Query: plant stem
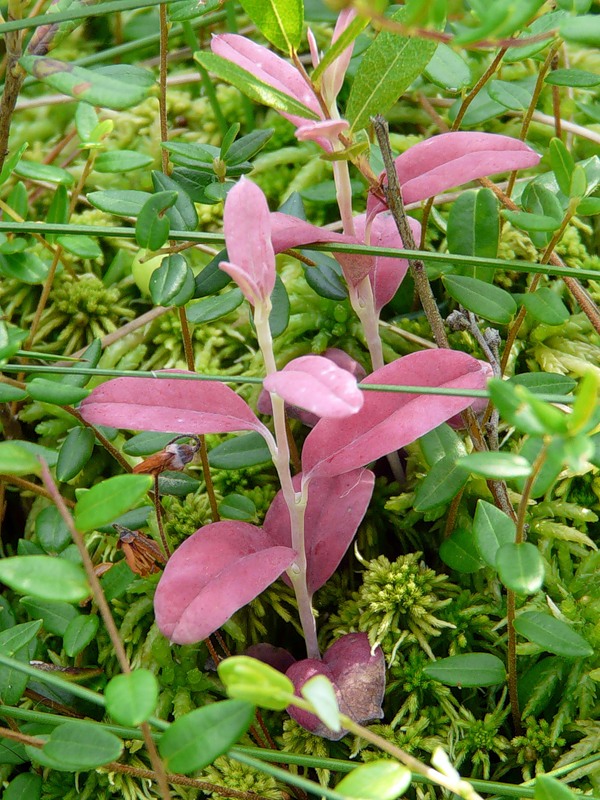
x,y
109,623
162,82
295,501
159,522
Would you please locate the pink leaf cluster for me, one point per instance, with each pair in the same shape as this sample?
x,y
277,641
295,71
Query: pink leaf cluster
x,y
358,678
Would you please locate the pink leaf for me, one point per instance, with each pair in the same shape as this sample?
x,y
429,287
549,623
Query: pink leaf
x,y
333,76
317,385
386,274
267,67
277,657
247,227
211,575
479,404
288,231
181,406
334,511
328,130
387,420
451,159
358,678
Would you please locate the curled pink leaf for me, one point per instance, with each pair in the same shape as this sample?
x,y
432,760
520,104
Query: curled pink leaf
x,y
333,76
451,159
181,406
288,231
317,385
328,130
267,67
211,575
335,509
390,420
247,227
358,678
479,404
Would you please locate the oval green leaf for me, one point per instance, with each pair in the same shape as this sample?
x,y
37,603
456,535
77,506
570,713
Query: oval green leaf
x,y
121,161
74,453
79,746
131,699
484,299
193,741
237,506
320,694
520,567
246,450
46,577
172,279
492,529
377,780
17,460
458,552
106,501
472,669
79,633
247,678
552,635
215,307
496,465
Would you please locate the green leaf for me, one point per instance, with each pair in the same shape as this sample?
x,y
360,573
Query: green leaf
x,y
229,139
246,450
212,279
472,669
548,788
17,642
153,225
55,614
443,482
11,162
440,442
346,38
121,161
531,222
193,741
484,299
387,69
510,94
496,465
448,69
520,567
562,163
377,780
131,699
237,506
545,306
279,21
51,530
60,394
147,442
121,202
15,459
173,280
26,786
178,484
74,453
252,87
44,172
106,91
492,529
280,313
105,501
10,394
551,468
321,695
458,553
544,382
586,402
183,213
80,632
552,635
82,246
526,412
24,267
246,678
248,146
325,278
80,746
547,22
579,78
215,307
46,577
474,230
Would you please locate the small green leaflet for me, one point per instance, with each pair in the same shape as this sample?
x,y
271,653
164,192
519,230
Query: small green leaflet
x,y
85,84
279,21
